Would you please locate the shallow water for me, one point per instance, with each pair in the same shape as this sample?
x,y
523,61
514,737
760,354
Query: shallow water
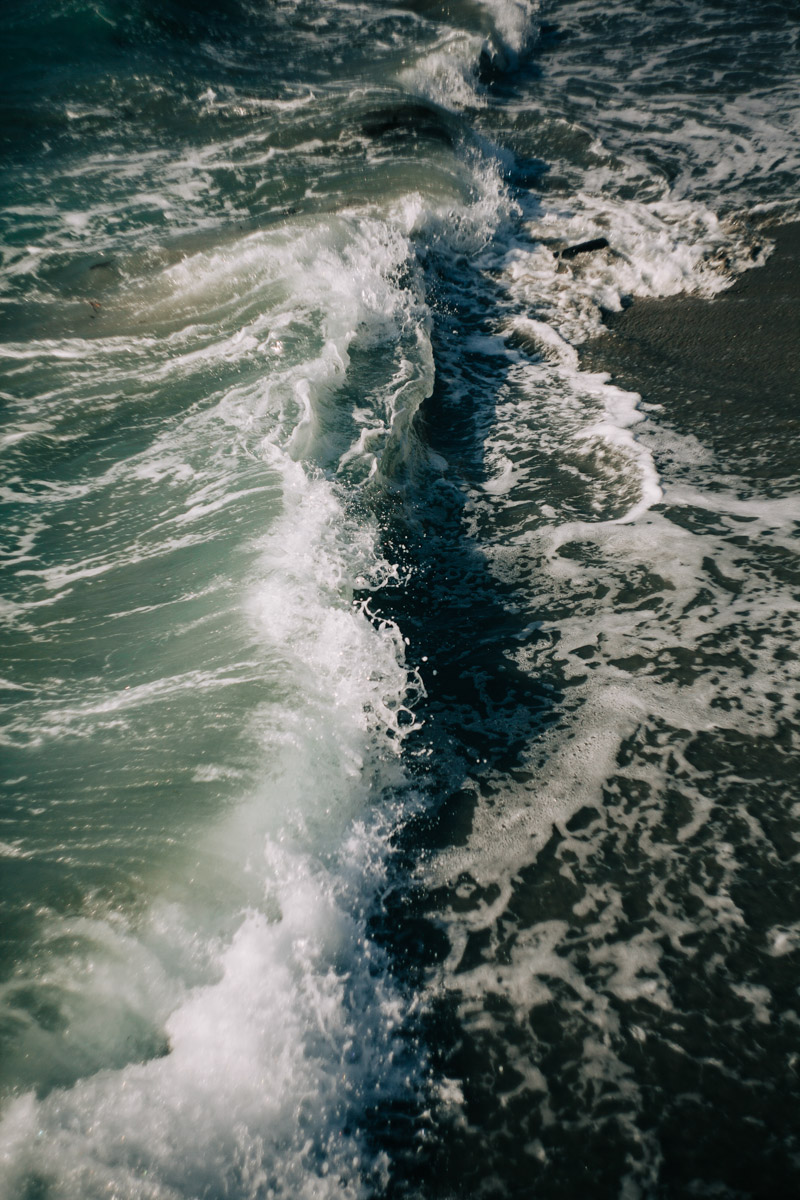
x,y
399,746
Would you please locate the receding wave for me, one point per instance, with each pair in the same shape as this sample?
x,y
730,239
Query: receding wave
x,y
399,711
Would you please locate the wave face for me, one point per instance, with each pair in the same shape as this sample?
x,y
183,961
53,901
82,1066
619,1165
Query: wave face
x,y
400,719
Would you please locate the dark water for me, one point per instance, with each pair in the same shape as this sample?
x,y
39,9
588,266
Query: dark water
x,y
400,719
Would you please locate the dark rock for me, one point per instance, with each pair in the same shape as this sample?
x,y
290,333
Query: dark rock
x,y
599,243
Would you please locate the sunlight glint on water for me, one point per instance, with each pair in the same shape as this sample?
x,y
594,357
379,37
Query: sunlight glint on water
x,y
396,714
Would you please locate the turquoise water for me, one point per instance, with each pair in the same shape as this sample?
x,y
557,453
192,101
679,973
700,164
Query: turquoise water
x,y
398,750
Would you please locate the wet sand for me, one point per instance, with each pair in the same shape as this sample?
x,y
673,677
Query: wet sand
x,y
727,369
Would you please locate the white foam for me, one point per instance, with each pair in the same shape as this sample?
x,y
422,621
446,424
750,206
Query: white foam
x,y
656,248
448,71
615,659
256,984
270,1062
276,1011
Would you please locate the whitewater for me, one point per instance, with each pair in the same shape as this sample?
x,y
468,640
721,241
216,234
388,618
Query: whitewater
x,y
399,787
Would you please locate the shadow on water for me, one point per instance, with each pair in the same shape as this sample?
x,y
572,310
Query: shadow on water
x,y
481,712
710,1063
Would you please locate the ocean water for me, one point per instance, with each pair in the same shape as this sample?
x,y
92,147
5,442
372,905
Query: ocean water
x,y
399,738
